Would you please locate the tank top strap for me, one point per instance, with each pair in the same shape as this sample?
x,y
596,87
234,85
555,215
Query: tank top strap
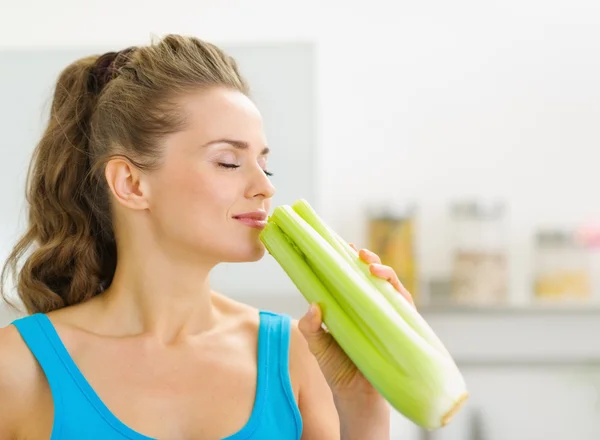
x,y
36,335
39,341
275,334
274,338
78,411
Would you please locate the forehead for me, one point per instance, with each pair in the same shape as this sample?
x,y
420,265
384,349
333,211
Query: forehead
x,y
220,112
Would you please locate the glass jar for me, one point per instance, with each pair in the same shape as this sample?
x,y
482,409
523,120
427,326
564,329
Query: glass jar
x,y
479,263
391,235
562,266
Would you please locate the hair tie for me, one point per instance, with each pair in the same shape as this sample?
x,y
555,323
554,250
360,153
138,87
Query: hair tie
x,y
107,67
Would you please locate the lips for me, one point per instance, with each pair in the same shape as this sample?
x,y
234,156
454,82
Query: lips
x,y
254,219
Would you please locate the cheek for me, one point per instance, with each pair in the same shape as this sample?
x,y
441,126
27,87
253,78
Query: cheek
x,y
189,198
207,193
192,209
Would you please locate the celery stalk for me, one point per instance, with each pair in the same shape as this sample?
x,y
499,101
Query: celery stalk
x,y
409,350
400,304
424,405
356,318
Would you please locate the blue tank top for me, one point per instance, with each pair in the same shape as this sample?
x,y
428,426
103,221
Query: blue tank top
x,y
80,414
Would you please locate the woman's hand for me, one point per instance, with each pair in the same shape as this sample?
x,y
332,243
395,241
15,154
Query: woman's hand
x,y
352,392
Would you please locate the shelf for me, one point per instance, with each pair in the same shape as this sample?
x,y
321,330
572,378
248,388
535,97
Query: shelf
x,y
525,309
539,335
293,302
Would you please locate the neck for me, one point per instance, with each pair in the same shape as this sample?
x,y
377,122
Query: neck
x,y
156,294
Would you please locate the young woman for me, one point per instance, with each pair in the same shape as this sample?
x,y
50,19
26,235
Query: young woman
x,y
151,171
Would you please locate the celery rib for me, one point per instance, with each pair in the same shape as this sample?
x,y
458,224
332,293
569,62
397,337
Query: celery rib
x,y
389,342
346,282
402,306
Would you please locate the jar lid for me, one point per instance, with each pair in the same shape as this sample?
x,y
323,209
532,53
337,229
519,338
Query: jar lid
x,y
556,237
391,210
481,209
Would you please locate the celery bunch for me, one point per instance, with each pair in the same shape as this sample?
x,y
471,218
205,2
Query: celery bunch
x,y
383,334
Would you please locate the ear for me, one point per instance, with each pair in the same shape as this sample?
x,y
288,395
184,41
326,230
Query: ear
x,y
127,183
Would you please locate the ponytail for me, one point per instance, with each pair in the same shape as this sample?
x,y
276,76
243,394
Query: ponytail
x,y
113,104
74,256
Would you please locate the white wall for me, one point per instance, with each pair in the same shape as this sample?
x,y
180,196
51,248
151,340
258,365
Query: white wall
x,y
420,102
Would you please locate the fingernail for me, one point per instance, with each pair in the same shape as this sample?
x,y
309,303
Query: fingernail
x,y
312,310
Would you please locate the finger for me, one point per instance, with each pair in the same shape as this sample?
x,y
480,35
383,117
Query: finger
x,y
353,247
310,326
369,257
389,274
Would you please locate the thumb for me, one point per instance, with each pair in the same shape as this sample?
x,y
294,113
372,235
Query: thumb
x,y
310,326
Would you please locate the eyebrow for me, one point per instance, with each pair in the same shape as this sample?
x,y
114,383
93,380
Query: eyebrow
x,y
241,145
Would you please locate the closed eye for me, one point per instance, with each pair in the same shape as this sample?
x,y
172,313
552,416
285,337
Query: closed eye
x,y
233,166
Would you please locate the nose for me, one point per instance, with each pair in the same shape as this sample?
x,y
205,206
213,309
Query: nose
x,y
261,185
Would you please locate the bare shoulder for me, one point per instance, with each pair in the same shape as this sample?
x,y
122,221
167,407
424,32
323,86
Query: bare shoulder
x,y
19,381
18,367
304,368
300,356
315,400
236,312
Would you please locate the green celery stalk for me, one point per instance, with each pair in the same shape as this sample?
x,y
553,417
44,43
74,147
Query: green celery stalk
x,y
423,404
407,347
355,316
400,304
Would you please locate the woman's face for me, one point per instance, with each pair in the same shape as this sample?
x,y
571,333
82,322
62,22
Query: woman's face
x,y
212,193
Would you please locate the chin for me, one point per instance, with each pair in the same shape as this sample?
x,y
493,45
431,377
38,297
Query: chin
x,y
247,255
257,254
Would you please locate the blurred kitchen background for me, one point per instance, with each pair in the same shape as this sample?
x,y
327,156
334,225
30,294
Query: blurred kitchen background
x,y
459,140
